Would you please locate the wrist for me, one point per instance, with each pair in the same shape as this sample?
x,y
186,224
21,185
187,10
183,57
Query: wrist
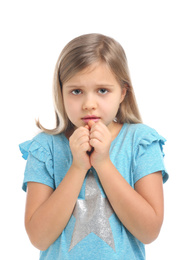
x,y
104,164
79,169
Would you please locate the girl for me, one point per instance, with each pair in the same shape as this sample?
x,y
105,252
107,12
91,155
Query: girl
x,y
94,183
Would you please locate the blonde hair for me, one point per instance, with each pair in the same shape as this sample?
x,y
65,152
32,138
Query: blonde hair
x,y
80,53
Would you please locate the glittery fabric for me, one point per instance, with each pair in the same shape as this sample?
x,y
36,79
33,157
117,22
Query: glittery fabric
x,y
92,215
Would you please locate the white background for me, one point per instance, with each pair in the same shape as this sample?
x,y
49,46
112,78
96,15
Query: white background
x,y
157,41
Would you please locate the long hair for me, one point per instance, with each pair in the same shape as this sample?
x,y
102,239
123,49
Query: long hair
x,y
77,55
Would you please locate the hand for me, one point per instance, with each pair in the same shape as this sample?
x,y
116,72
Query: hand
x,y
79,145
100,140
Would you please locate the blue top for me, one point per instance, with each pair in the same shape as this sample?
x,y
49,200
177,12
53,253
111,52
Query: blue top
x,y
94,231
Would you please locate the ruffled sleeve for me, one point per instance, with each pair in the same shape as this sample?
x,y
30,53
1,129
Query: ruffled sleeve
x,y
39,166
149,155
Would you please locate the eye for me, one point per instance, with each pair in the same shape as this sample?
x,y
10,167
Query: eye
x,y
76,92
103,91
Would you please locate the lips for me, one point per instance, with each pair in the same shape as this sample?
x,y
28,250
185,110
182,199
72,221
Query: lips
x,y
86,119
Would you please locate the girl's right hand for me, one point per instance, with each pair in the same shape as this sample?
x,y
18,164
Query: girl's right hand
x,y
79,145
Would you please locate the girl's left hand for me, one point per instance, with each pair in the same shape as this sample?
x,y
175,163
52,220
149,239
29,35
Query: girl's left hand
x,y
100,140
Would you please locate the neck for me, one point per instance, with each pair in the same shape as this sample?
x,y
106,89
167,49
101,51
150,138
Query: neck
x,y
114,128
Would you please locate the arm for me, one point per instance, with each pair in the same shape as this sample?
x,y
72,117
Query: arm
x,y
47,211
140,210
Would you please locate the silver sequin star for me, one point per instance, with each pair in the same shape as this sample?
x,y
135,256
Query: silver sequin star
x,y
92,215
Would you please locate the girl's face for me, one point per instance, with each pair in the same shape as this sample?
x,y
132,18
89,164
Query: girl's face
x,y
93,94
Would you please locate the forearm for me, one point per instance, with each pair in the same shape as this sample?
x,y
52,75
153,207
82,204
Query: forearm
x,y
50,219
136,214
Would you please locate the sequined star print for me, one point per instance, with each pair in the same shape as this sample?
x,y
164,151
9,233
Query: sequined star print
x,y
92,215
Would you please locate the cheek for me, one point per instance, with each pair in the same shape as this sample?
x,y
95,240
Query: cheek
x,y
115,105
111,106
70,107
115,102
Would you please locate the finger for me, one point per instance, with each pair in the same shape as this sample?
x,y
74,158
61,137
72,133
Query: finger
x,y
97,125
91,123
95,143
79,137
85,147
97,135
98,128
83,144
82,139
80,132
87,127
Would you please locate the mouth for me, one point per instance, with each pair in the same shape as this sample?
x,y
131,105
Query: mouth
x,y
86,119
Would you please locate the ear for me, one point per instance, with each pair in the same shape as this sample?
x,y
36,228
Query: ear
x,y
123,94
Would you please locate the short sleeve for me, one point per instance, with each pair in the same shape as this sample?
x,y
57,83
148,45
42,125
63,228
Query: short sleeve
x,y
149,156
39,166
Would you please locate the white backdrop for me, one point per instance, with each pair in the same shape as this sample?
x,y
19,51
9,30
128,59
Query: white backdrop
x,y
156,38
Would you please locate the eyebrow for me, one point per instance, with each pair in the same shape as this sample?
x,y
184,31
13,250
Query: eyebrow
x,y
97,85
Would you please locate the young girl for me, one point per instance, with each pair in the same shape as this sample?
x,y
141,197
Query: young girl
x,y
94,183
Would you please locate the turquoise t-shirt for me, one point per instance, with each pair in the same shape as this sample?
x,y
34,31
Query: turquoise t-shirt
x,y
94,230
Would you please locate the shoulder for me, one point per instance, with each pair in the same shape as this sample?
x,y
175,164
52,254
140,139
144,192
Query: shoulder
x,y
141,134
42,143
137,131
44,140
140,128
49,141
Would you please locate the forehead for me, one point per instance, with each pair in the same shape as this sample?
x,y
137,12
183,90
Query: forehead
x,y
97,73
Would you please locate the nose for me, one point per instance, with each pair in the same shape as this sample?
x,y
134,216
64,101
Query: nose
x,y
89,103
